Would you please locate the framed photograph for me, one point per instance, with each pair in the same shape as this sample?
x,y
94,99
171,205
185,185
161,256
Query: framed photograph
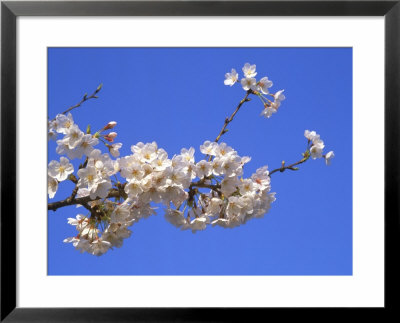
x,y
200,158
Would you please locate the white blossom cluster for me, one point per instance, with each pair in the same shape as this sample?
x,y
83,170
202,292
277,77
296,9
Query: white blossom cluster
x,y
177,183
75,143
317,146
97,236
57,172
232,200
260,88
196,194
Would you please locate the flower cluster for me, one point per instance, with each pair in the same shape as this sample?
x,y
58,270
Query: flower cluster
x,y
195,194
75,143
109,227
228,200
316,147
260,88
57,172
119,191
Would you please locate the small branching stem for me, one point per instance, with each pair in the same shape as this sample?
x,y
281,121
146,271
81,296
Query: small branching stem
x,y
290,167
84,99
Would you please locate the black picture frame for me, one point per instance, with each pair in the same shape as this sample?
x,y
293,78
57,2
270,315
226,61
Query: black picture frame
x,y
10,10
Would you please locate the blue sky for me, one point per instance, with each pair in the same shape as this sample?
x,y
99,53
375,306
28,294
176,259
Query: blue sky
x,y
176,97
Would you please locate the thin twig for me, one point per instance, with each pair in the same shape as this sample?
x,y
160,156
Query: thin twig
x,y
291,166
84,99
228,120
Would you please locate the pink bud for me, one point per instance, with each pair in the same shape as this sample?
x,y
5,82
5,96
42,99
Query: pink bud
x,y
110,125
110,137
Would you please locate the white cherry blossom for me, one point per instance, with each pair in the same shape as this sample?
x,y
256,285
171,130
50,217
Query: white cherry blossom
x,y
328,157
203,169
264,84
52,186
60,170
249,83
249,71
209,148
231,78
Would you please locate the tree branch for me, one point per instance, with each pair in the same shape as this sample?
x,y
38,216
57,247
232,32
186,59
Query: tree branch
x,y
84,99
291,166
228,120
81,200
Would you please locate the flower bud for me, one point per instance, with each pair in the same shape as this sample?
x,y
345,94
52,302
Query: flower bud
x,y
110,125
110,137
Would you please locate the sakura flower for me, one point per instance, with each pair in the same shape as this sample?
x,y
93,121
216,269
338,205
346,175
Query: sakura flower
x,y
246,187
279,96
245,159
162,161
80,244
231,166
133,188
216,166
199,223
178,162
311,135
188,154
248,83
145,152
249,71
63,149
261,178
60,170
152,195
114,149
115,234
229,185
100,246
179,178
100,189
85,146
264,84
52,186
175,217
87,177
328,157
63,123
121,213
231,78
234,206
80,222
134,171
73,136
203,169
268,112
316,149
52,135
224,150
176,195
209,148
90,232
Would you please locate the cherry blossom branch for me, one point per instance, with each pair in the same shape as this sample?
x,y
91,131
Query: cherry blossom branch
x,y
73,179
201,184
114,193
291,166
84,99
228,120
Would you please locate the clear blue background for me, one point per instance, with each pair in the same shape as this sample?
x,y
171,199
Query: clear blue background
x,y
176,97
